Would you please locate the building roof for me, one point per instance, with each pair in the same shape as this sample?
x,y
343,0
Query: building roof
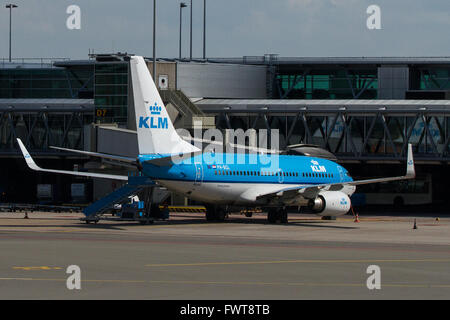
x,y
274,59
69,105
278,105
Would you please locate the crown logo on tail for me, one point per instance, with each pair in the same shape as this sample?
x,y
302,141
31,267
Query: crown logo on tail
x,y
155,109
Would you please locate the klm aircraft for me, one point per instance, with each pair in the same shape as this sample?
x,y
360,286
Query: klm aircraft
x,y
222,180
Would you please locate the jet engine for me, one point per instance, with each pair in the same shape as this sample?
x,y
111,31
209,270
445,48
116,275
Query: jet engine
x,y
330,203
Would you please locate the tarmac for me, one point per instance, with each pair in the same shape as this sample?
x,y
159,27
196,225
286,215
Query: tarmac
x,y
242,258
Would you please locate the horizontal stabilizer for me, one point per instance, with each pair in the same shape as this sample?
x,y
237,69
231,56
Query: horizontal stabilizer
x,y
99,155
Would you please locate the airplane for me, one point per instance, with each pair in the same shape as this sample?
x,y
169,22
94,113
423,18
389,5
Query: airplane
x,y
220,180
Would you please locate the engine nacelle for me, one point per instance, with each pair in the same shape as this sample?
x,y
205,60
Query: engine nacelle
x,y
330,203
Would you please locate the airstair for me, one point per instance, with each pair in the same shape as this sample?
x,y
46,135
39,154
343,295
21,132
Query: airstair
x,y
136,183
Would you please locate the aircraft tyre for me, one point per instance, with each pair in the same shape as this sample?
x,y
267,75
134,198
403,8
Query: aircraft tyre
x,y
283,215
215,213
272,215
275,215
210,213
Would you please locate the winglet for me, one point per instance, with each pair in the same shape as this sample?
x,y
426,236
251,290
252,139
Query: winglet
x,y
410,169
33,166
26,155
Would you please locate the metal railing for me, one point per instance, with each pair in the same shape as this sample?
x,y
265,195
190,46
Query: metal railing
x,y
38,62
181,102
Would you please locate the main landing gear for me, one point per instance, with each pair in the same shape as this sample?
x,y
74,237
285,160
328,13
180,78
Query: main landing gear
x,y
277,214
215,213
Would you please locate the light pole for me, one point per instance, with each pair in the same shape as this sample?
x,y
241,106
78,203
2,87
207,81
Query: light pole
x,y
204,30
154,41
10,7
191,34
182,5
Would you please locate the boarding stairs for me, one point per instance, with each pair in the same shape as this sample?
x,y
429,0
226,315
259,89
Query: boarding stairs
x,y
136,183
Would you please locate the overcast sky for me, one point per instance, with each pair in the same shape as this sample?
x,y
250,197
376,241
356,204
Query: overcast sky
x,y
235,28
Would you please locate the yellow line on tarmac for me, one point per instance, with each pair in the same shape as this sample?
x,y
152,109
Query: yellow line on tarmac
x,y
100,281
37,268
255,283
292,261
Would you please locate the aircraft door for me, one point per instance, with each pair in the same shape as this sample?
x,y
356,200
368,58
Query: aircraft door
x,y
341,174
280,175
198,174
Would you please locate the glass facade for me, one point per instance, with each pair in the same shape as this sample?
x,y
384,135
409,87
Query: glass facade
x,y
435,79
353,135
327,84
52,83
39,130
105,82
111,92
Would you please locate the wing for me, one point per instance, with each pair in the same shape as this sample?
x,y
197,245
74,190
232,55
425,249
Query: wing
x,y
34,166
311,191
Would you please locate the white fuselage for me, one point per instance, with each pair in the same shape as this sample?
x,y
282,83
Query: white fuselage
x,y
231,193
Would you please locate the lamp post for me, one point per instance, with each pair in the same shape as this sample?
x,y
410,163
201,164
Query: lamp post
x,y
190,55
154,41
10,7
204,30
182,5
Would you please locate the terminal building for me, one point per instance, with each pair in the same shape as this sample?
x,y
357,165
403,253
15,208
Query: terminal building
x,y
363,110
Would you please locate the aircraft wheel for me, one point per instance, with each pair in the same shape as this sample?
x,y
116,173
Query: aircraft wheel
x,y
210,213
283,215
220,214
272,216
